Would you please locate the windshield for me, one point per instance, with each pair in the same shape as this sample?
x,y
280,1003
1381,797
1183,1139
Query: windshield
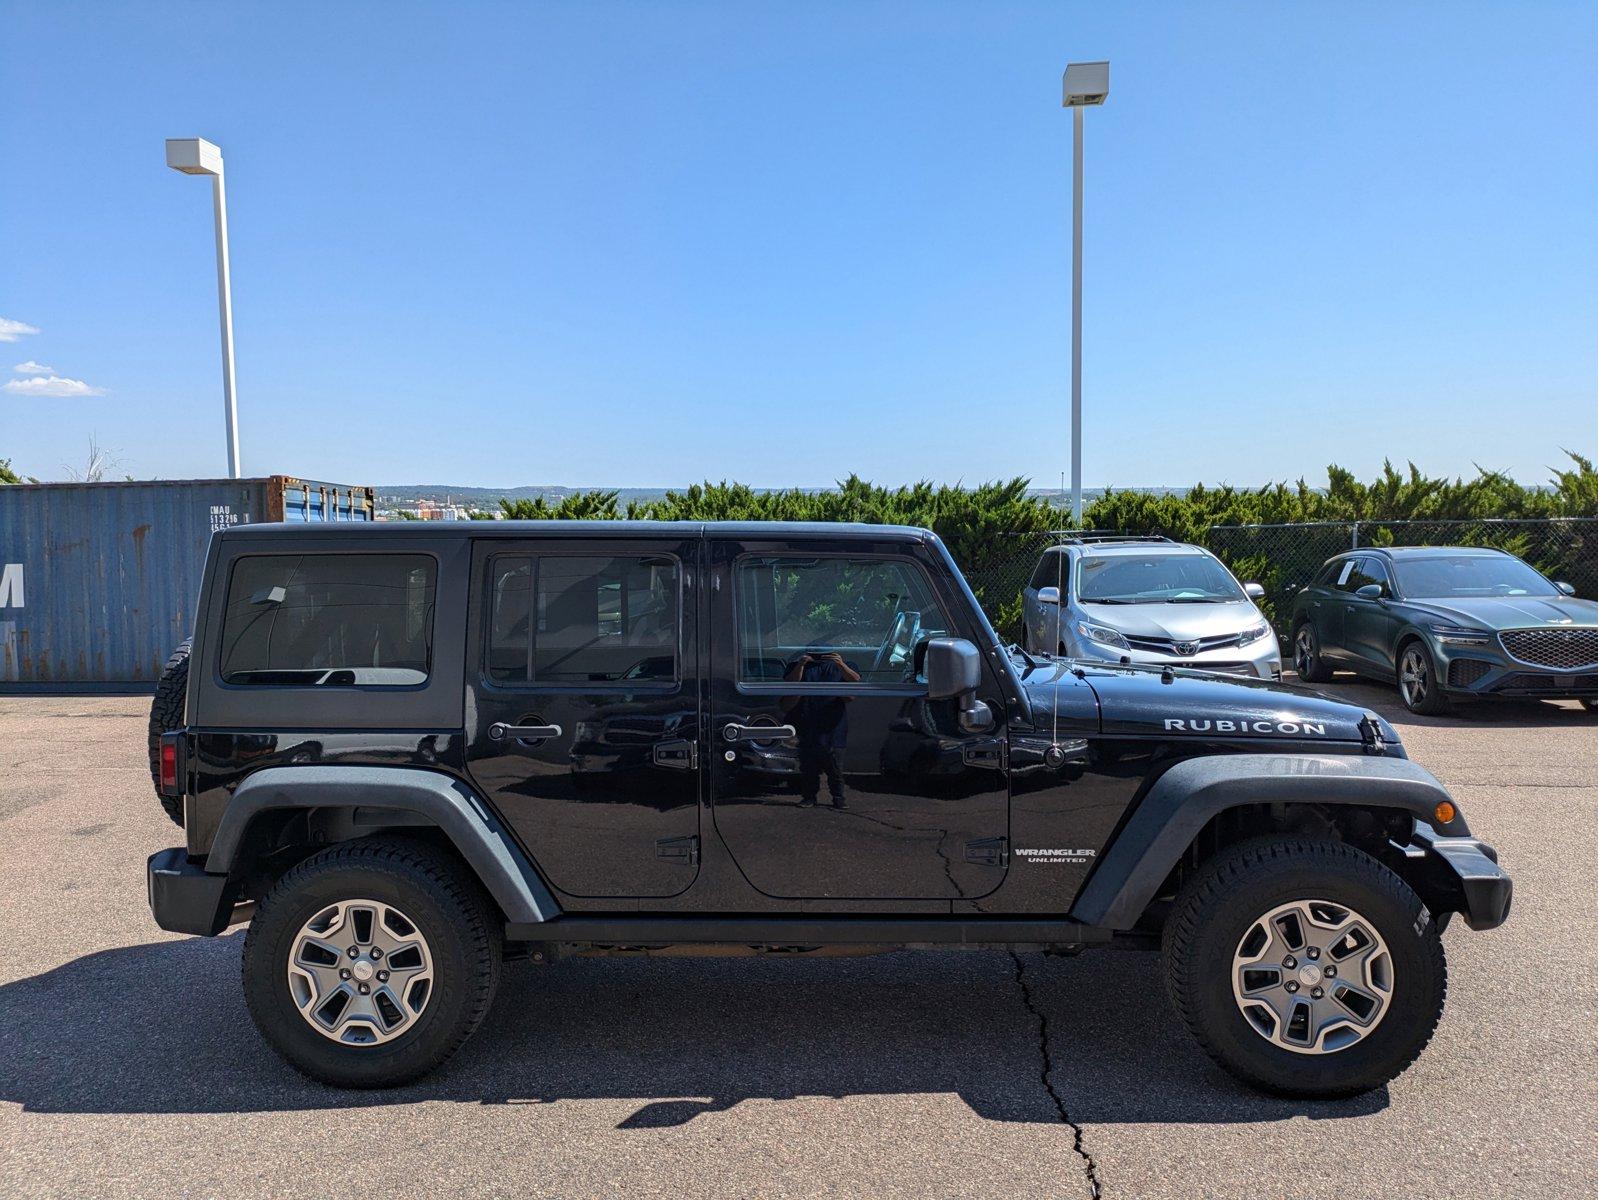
x,y
1155,579
1459,575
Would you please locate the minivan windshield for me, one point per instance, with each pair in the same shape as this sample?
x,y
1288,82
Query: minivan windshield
x,y
1155,579
1460,575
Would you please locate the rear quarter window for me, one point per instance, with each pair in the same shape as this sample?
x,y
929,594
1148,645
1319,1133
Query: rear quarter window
x,y
329,620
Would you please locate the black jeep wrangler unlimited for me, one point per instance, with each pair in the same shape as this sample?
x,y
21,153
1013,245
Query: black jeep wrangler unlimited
x,y
405,753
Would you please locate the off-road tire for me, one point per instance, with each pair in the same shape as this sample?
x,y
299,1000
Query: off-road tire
x,y
166,712
1230,892
437,892
1318,671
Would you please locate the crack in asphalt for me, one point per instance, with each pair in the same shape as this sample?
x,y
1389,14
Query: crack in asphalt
x,y
1095,1184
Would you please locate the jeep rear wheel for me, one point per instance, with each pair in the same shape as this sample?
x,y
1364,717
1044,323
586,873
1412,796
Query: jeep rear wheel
x,y
167,713
371,962
1305,967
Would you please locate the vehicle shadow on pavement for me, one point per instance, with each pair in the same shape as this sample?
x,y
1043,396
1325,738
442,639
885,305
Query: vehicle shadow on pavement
x,y
162,1028
1496,714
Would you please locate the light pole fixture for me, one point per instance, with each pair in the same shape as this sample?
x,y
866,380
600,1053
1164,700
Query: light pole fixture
x,y
196,156
1085,84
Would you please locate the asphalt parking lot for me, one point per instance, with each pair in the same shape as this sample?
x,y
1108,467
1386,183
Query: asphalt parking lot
x,y
128,1065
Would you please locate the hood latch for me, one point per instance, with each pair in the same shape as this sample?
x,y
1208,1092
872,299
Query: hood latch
x,y
1370,733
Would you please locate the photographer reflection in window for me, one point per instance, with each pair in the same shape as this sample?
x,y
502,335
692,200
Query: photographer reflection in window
x,y
821,722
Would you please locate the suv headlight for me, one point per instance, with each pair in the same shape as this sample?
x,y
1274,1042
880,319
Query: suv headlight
x,y
1103,635
1460,635
1254,634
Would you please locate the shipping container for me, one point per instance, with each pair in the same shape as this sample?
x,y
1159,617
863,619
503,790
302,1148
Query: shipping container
x,y
98,581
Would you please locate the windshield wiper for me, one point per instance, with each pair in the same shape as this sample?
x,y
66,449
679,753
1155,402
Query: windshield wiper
x,y
1196,600
1111,600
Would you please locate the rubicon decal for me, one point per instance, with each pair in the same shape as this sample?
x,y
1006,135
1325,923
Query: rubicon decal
x,y
1223,725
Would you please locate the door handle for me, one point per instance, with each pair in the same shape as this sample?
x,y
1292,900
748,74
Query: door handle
x,y
734,732
499,731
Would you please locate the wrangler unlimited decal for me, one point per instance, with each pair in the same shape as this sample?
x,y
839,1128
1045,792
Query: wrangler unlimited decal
x,y
1218,725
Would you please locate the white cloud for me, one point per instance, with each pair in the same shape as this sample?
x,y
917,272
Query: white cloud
x,y
32,368
50,385
11,330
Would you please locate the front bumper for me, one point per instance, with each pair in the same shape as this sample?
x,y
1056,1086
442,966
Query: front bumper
x,y
1459,874
1487,672
185,898
1261,660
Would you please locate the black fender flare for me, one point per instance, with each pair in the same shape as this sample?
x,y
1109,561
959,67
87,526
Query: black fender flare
x,y
1184,799
438,799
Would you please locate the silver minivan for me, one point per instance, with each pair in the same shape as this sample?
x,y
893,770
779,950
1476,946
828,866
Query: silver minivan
x,y
1147,600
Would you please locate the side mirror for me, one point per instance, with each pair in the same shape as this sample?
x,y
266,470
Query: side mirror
x,y
1049,595
1371,591
954,670
1253,591
1568,588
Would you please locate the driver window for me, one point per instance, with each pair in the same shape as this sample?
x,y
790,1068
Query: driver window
x,y
1373,570
833,620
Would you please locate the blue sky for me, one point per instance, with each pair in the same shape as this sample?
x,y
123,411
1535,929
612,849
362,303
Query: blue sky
x,y
639,244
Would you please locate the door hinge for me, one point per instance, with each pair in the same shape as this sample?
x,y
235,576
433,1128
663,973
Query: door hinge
x,y
988,852
678,754
684,850
990,753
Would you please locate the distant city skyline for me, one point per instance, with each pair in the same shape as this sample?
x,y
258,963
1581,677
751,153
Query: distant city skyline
x,y
782,244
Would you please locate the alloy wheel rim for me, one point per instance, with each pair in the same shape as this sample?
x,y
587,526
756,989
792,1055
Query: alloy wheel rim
x,y
1312,976
1304,660
360,972
1412,677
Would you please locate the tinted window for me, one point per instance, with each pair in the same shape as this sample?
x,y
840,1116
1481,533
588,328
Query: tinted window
x,y
565,619
1153,579
1460,575
1367,571
1330,572
1050,569
329,620
1347,568
872,613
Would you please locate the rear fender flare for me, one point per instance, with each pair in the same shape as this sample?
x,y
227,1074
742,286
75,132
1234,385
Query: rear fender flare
x,y
426,797
1187,796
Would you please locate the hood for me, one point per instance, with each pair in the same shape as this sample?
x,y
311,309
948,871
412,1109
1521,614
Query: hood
x,y
1135,701
1509,612
1175,622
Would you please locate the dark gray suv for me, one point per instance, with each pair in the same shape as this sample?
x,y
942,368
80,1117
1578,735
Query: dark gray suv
x,y
1447,622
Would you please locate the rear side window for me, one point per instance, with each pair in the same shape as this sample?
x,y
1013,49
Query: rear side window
x,y
574,619
329,620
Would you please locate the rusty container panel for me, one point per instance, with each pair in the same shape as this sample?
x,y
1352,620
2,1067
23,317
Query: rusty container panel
x,y
98,581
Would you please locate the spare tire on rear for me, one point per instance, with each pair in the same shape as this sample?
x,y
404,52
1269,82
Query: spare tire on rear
x,y
166,712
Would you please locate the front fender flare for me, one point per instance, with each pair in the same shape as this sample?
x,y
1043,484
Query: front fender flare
x,y
439,799
1184,799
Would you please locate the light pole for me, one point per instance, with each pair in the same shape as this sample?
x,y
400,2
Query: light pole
x,y
1085,84
196,156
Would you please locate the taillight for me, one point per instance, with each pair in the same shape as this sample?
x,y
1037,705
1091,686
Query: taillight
x,y
169,765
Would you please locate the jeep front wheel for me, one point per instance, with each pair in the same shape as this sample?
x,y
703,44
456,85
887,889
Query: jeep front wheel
x,y
371,962
1304,967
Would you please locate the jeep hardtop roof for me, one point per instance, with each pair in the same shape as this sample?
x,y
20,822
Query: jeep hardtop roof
x,y
585,529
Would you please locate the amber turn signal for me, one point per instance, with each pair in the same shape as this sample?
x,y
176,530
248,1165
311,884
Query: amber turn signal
x,y
1444,812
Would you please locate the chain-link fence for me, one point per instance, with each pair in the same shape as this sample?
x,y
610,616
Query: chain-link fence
x,y
1284,558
